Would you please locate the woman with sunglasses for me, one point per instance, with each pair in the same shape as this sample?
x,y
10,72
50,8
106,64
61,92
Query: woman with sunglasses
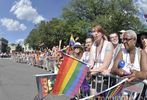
x,y
134,58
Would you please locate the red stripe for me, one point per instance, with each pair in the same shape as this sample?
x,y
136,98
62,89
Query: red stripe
x,y
62,67
62,73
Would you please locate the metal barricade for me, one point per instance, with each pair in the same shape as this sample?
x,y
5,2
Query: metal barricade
x,y
102,82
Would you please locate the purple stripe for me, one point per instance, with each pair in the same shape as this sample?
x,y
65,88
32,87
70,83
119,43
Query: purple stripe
x,y
77,82
80,81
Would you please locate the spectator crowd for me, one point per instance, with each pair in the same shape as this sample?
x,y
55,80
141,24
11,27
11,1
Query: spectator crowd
x,y
116,55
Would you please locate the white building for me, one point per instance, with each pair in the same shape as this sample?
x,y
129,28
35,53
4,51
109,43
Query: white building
x,y
12,47
27,48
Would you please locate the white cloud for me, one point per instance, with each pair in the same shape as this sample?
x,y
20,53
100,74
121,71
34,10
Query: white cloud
x,y
142,5
23,10
12,25
20,41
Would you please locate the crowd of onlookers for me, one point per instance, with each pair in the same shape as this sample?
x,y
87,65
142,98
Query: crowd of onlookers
x,y
46,59
116,54
5,55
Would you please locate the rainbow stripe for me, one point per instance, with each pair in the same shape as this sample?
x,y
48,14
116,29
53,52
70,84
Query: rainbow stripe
x,y
115,91
70,76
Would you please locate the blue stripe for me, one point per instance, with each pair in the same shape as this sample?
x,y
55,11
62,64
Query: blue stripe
x,y
70,90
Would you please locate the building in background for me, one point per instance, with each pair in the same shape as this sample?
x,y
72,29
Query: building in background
x,y
3,45
12,47
27,48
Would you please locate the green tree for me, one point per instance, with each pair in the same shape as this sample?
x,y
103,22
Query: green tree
x,y
47,34
113,15
19,48
8,49
79,16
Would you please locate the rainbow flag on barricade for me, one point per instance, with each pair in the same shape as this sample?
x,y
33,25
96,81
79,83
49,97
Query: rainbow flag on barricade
x,y
116,91
70,76
45,84
112,91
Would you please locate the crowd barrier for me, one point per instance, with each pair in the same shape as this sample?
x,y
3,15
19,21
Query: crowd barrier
x,y
45,63
130,91
99,82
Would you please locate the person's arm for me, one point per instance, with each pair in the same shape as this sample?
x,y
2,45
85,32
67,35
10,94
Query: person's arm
x,y
115,70
143,61
107,59
143,64
91,58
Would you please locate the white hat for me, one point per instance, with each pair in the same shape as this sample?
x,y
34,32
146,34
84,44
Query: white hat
x,y
77,44
122,31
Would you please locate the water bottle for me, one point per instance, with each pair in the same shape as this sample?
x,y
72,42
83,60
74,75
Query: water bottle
x,y
121,63
125,66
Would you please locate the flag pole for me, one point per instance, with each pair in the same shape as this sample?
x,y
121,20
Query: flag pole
x,y
60,42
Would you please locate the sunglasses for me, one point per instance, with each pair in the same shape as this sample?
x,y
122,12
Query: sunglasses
x,y
127,39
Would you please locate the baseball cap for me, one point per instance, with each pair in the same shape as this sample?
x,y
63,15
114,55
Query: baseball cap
x,y
122,31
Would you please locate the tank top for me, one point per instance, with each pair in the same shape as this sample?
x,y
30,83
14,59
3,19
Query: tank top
x,y
99,59
126,58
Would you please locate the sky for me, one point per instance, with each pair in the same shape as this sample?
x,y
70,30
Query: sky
x,y
18,17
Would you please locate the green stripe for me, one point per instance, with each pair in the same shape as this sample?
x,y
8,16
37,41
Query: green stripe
x,y
71,81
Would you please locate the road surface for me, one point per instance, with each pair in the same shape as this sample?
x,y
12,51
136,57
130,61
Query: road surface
x,y
17,81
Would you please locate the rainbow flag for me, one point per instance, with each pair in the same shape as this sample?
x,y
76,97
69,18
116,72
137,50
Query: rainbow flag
x,y
115,91
70,76
72,41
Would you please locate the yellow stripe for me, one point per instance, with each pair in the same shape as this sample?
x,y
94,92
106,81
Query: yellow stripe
x,y
68,75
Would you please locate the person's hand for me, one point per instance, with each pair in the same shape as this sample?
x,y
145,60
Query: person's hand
x,y
93,71
106,72
132,76
90,67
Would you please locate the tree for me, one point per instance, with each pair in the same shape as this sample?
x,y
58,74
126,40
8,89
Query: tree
x,y
8,49
113,15
19,48
79,16
48,34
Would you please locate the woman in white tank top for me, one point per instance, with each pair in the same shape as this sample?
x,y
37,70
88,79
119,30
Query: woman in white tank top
x,y
101,51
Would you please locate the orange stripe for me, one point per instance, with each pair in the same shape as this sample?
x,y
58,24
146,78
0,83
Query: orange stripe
x,y
62,67
64,72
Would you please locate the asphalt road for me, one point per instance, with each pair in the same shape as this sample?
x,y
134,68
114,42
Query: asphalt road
x,y
17,81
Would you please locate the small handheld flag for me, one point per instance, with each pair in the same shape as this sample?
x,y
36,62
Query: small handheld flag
x,y
72,41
